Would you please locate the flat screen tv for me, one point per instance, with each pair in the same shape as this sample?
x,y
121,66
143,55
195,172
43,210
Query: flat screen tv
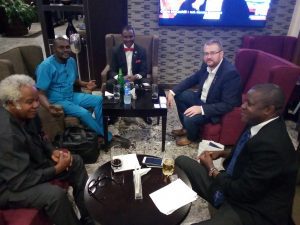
x,y
228,13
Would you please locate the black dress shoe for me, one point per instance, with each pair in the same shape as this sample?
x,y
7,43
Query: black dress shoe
x,y
147,120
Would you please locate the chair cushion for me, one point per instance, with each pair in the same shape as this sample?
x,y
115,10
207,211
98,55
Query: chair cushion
x,y
25,217
2,222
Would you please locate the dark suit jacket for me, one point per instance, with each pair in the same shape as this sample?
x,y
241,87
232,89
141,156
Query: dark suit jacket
x,y
224,92
262,186
139,61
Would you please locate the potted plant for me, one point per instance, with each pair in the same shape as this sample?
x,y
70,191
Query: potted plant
x,y
20,16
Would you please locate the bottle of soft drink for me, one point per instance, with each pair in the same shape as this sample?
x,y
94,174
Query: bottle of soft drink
x,y
127,94
121,81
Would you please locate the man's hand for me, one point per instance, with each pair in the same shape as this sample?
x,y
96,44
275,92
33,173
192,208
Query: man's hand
x,y
192,111
170,100
91,85
130,78
64,162
55,110
56,153
206,159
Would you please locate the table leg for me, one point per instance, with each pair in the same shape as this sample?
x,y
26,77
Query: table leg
x,y
105,129
164,127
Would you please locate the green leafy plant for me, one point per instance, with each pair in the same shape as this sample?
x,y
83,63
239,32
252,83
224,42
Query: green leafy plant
x,y
19,10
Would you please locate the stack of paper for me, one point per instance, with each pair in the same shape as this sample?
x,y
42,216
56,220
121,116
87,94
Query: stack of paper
x,y
173,196
212,146
129,162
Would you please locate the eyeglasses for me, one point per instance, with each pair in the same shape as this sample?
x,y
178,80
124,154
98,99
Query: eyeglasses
x,y
100,182
211,53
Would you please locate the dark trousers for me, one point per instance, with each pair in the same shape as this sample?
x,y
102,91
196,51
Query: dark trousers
x,y
53,199
201,182
192,124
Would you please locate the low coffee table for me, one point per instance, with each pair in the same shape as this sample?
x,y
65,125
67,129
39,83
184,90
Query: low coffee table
x,y
114,204
143,106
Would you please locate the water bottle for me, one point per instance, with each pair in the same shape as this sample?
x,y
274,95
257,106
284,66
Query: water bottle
x,y
127,94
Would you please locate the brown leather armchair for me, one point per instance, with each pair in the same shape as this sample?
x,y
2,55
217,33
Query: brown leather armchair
x,y
149,42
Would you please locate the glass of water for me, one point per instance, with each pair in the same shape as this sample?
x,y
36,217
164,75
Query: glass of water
x,y
154,91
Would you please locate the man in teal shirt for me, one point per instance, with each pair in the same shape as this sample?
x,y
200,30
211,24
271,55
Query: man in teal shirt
x,y
56,76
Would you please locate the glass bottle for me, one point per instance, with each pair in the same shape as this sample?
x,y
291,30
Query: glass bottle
x,y
121,81
70,28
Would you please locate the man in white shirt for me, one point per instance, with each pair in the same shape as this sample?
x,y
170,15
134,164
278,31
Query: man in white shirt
x,y
219,90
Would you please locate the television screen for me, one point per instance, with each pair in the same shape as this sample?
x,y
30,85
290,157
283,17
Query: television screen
x,y
231,13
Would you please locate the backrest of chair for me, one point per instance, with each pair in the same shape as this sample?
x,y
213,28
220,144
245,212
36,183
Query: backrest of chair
x,y
24,59
257,67
15,57
282,46
148,42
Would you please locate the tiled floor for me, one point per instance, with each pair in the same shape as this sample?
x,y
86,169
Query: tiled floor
x,y
7,43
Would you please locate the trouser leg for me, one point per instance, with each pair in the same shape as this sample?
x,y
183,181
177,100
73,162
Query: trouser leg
x,y
197,175
193,125
77,177
51,198
225,215
200,181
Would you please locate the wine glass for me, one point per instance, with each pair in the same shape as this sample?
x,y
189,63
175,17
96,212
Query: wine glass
x,y
75,44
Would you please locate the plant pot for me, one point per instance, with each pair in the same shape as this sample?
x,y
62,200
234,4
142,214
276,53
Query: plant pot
x,y
15,29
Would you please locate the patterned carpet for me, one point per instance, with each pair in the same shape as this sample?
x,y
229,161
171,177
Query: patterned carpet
x,y
146,139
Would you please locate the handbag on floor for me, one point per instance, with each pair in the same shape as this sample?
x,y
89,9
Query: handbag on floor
x,y
81,141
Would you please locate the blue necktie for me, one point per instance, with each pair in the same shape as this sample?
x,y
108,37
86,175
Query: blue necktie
x,y
218,195
240,145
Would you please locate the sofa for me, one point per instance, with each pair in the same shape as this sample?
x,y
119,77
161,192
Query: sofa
x,y
255,67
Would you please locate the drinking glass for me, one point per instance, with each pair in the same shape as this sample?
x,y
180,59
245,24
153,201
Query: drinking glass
x,y
154,91
168,165
116,90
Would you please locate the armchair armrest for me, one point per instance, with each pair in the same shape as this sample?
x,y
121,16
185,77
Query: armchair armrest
x,y
104,73
155,74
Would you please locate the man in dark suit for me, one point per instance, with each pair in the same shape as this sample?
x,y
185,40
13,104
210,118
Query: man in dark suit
x,y
258,183
131,59
219,90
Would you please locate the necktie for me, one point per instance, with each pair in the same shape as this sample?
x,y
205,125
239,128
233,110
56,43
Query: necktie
x,y
218,196
128,49
240,145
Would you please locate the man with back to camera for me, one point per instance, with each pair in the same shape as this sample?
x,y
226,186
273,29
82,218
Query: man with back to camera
x,y
131,59
56,76
258,184
219,90
28,163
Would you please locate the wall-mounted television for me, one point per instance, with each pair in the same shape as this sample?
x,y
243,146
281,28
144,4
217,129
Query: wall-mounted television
x,y
228,13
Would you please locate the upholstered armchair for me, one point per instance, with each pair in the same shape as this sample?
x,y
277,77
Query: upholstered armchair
x,y
282,46
255,67
149,42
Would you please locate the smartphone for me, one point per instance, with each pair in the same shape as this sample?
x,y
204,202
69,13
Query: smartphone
x,y
152,161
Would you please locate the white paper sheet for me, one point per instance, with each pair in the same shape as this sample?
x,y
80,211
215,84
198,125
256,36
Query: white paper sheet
x,y
173,196
129,162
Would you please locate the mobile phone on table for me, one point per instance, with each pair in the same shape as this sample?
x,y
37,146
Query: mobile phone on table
x,y
152,161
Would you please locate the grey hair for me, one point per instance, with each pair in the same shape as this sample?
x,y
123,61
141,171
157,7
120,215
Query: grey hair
x,y
10,87
214,41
